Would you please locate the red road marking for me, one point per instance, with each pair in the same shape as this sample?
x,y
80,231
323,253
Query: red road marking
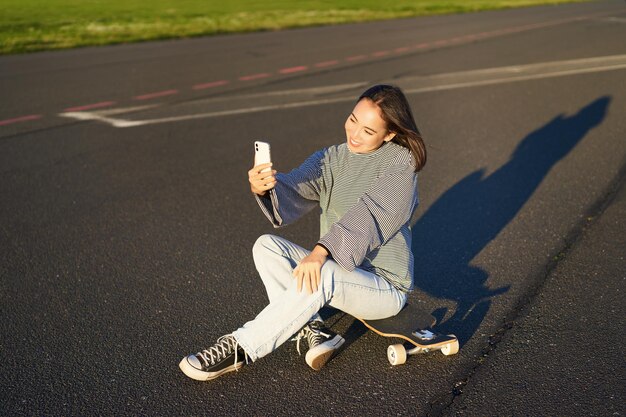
x,y
254,77
326,63
293,69
319,65
90,106
210,85
20,119
155,95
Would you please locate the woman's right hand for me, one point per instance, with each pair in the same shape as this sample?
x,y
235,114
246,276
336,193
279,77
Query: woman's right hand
x,y
260,182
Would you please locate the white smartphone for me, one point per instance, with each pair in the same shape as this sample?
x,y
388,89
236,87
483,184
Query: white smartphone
x,y
262,154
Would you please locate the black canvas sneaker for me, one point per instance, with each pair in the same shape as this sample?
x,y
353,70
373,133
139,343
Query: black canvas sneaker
x,y
323,343
225,356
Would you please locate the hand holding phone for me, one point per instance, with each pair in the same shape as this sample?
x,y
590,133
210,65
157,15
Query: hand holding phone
x,y
261,176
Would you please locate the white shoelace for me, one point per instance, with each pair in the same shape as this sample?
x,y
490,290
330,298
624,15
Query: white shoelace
x,y
312,336
221,349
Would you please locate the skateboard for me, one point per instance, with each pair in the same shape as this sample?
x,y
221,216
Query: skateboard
x,y
413,326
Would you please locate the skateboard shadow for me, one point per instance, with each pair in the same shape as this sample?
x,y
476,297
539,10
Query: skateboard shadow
x,y
471,213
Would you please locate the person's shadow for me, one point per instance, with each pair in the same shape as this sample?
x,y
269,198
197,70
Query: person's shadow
x,y
469,215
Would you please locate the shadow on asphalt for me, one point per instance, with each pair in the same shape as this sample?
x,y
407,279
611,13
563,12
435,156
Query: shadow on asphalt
x,y
462,222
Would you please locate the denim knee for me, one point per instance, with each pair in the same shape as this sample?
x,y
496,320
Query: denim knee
x,y
262,245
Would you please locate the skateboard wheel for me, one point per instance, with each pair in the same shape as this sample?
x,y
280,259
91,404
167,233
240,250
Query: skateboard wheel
x,y
451,348
396,354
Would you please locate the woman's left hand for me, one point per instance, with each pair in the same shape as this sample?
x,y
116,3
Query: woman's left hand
x,y
308,271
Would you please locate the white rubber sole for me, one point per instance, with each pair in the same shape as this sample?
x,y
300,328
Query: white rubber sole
x,y
317,357
195,373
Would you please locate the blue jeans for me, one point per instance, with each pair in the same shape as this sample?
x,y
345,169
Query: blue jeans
x,y
358,293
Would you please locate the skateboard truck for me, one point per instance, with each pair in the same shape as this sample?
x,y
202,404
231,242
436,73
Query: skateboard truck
x,y
413,326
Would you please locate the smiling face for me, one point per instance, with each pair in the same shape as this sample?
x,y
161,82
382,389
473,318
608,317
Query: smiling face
x,y
366,130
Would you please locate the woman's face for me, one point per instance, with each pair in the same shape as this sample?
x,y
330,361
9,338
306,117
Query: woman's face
x,y
366,130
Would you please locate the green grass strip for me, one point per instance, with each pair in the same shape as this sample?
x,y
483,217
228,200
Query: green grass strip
x,y
36,25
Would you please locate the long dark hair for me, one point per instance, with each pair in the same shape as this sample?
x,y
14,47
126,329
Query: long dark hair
x,y
396,112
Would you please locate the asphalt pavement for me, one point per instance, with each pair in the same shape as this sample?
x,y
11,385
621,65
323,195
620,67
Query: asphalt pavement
x,y
563,353
127,223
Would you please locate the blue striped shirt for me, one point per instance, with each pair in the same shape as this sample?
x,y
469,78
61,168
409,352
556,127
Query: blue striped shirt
x,y
366,202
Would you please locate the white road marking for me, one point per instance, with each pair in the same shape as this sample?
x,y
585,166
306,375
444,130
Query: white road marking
x,y
132,123
121,110
537,67
614,19
310,91
94,116
411,85
513,79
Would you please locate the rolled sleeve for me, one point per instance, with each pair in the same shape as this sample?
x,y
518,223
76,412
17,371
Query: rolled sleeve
x,y
295,193
269,206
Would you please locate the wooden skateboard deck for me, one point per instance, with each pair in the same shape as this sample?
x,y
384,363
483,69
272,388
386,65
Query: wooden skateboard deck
x,y
412,325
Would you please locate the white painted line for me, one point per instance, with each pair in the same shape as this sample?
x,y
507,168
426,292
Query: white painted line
x,y
476,78
124,110
103,115
311,91
513,79
615,19
541,66
94,116
132,123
